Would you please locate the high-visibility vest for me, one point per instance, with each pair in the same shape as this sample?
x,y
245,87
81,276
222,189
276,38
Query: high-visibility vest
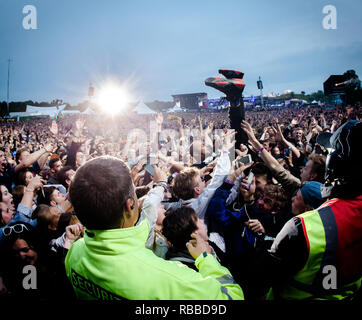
x,y
333,234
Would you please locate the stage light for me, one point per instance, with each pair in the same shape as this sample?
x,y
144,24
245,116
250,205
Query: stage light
x,y
113,98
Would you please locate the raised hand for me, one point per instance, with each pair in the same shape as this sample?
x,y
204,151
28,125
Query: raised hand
x,y
36,183
137,168
159,175
54,128
243,151
236,172
73,233
278,133
254,143
295,121
49,147
209,127
79,124
229,142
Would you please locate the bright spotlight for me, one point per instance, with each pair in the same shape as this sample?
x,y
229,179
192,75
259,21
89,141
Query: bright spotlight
x,y
113,99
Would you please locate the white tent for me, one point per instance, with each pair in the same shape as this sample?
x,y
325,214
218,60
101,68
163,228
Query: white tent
x,y
32,111
175,108
44,111
64,112
143,109
17,114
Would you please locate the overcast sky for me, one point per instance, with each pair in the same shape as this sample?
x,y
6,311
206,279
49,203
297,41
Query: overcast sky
x,y
165,47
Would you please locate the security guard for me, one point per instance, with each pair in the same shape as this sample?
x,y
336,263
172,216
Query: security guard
x,y
111,262
317,254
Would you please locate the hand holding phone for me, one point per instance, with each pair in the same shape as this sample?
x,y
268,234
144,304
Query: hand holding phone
x,y
247,188
149,168
250,179
244,160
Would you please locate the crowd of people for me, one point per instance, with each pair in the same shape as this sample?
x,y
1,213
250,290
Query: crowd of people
x,y
166,206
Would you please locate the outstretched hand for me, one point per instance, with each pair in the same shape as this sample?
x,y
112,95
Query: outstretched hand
x,y
254,143
236,172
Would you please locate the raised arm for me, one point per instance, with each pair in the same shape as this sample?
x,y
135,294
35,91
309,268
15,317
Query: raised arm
x,y
280,137
288,181
268,159
35,156
34,184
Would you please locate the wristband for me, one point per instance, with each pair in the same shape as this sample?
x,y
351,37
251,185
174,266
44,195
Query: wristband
x,y
228,181
161,184
261,149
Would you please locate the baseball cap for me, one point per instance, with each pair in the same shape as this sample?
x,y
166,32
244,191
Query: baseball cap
x,y
312,194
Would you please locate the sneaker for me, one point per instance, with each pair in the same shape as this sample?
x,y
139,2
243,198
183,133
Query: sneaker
x,y
231,74
232,88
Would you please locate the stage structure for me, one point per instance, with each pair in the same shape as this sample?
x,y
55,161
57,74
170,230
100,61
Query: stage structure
x,y
346,87
189,101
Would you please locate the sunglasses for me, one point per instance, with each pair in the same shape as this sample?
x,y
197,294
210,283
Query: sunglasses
x,y
18,228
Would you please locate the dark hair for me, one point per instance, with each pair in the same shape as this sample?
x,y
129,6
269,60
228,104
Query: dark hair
x,y
142,191
178,226
39,210
18,193
28,234
260,169
99,192
20,176
52,162
48,191
62,175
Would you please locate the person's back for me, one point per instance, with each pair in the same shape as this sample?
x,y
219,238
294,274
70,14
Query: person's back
x,y
111,261
333,264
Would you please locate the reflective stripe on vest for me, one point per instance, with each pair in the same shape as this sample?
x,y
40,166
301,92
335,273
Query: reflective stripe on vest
x,y
321,230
